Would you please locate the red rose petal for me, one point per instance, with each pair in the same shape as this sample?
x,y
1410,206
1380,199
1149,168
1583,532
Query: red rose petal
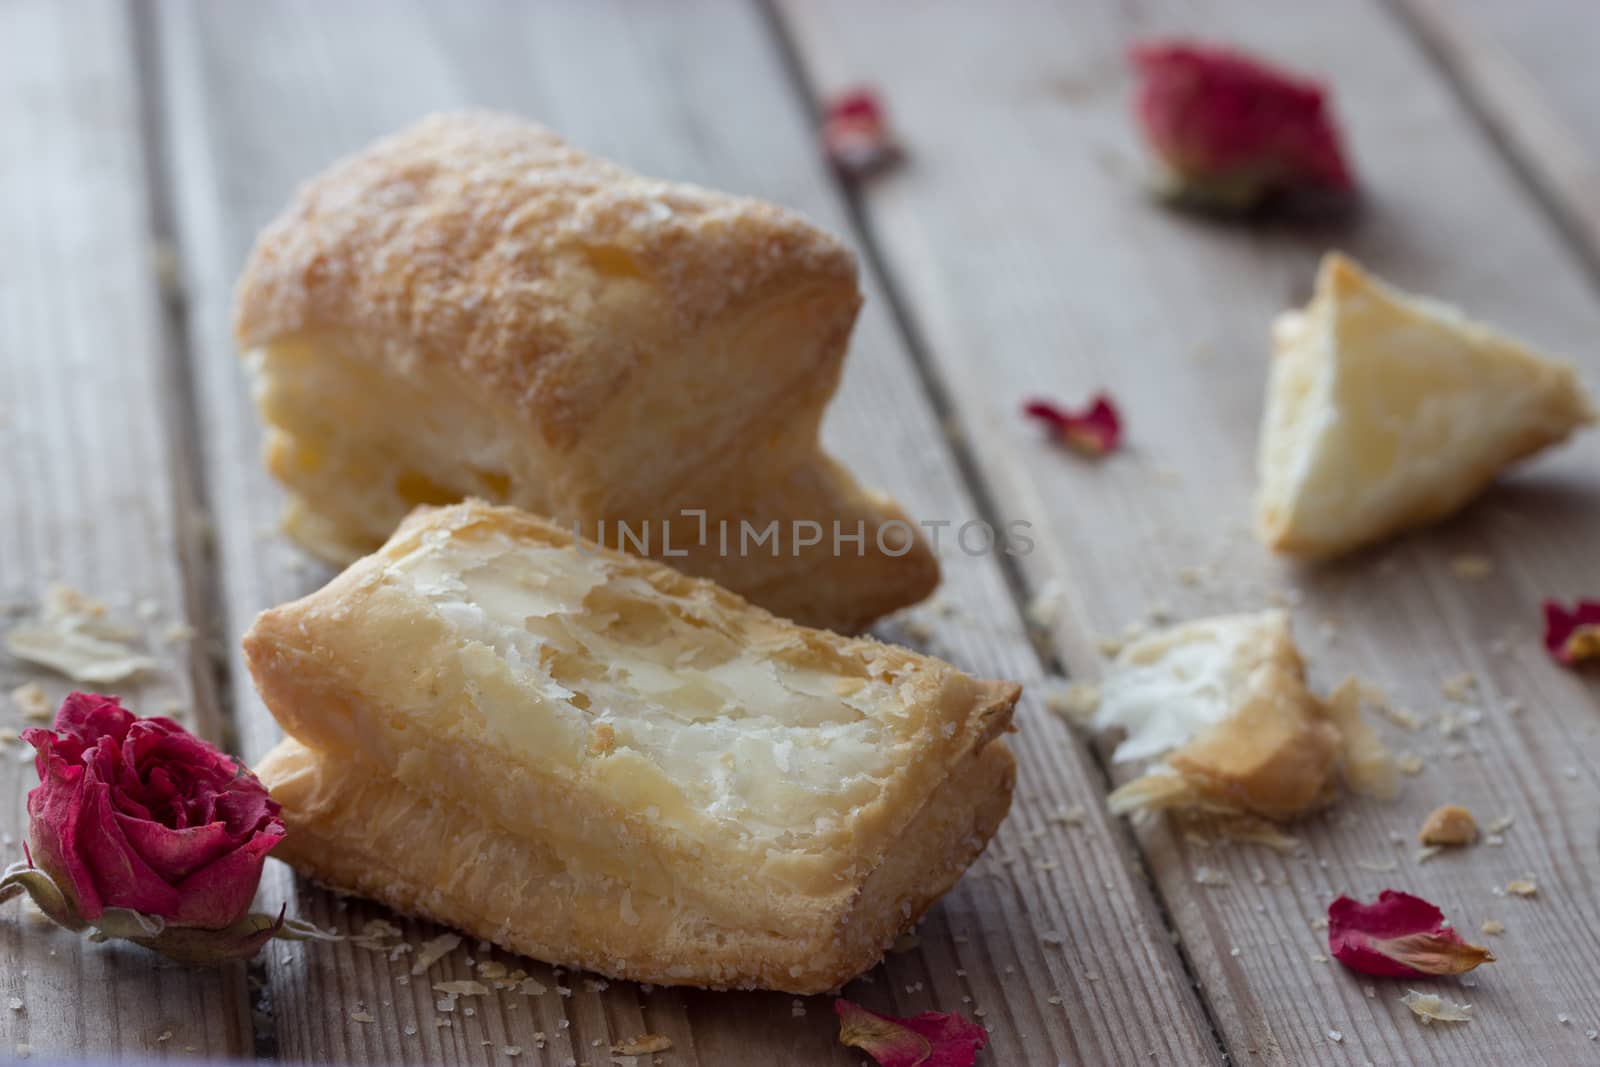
x,y
932,1039
855,134
1399,936
1573,637
1094,432
1233,130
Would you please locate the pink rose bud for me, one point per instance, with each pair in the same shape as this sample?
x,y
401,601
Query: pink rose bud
x,y
139,816
1232,131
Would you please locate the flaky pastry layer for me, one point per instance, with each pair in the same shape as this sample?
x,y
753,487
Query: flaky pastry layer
x,y
474,308
1387,411
356,829
643,726
1224,702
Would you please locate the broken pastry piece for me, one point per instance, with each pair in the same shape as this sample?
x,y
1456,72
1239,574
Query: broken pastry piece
x,y
615,766
1387,411
472,307
1223,703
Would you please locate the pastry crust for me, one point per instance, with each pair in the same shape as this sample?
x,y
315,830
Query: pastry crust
x,y
800,795
1387,411
1224,702
352,828
472,307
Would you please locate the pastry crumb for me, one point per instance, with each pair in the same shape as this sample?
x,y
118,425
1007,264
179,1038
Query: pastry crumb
x,y
1493,927
1461,688
1045,607
643,1045
1074,701
1471,566
32,701
433,950
1522,887
466,988
362,1017
1430,1007
1448,824
73,637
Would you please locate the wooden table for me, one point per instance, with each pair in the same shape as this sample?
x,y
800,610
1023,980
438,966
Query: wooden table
x,y
1014,254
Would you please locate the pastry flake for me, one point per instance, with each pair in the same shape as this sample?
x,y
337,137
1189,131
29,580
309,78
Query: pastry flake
x,y
1387,411
1223,703
1430,1008
773,805
473,308
1447,825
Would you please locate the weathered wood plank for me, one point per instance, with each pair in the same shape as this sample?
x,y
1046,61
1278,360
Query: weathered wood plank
x,y
258,98
1528,70
87,497
1033,263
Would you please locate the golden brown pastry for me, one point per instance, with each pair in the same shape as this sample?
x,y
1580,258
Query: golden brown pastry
x,y
617,766
1387,411
473,308
1223,704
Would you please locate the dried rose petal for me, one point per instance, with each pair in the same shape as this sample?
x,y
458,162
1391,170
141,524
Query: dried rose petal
x,y
1400,936
1094,432
1233,131
855,134
932,1039
1573,637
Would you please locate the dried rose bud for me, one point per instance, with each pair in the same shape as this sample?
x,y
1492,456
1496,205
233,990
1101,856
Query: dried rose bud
x,y
1399,936
1573,637
1449,824
145,832
1094,432
932,1039
855,134
1231,131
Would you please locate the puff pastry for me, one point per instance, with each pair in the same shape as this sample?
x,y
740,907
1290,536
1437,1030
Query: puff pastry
x,y
472,307
617,766
1387,411
1223,703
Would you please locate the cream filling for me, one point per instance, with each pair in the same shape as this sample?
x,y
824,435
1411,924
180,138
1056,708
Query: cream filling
x,y
1167,688
644,691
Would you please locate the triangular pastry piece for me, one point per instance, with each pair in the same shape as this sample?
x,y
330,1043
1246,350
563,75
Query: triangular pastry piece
x,y
472,307
1223,704
593,759
1387,411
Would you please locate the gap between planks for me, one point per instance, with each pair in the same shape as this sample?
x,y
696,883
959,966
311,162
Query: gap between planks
x,y
1051,81
200,564
952,421
1559,170
213,238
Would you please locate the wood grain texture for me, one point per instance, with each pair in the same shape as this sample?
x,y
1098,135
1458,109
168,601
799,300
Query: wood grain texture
x,y
1052,937
88,497
1033,263
1528,71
